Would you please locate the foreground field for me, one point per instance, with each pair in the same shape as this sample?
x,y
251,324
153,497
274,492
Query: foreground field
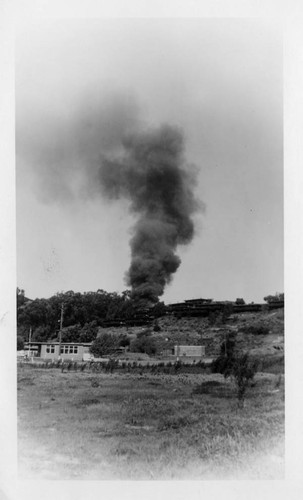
x,y
96,426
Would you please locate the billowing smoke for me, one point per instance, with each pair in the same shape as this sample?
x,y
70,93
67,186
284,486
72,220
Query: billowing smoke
x,y
96,149
153,175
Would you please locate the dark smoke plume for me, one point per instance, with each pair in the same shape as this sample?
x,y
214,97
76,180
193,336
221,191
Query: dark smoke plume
x,y
153,175
59,153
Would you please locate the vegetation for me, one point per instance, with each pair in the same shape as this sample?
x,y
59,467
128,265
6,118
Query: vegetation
x,y
157,327
146,418
144,344
256,329
156,426
76,333
104,345
240,302
274,298
83,314
236,364
220,317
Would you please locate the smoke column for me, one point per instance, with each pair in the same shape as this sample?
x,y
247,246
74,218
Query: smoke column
x,y
151,172
97,147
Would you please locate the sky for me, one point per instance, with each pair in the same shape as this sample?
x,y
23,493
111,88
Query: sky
x,y
81,85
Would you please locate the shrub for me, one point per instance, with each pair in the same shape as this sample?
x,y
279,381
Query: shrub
x,y
104,344
244,370
177,365
124,341
144,333
256,329
111,365
144,344
157,327
232,363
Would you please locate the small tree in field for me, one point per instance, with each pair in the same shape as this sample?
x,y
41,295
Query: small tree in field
x,y
236,364
243,371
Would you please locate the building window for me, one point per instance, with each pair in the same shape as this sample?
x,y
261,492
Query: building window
x,y
50,349
69,349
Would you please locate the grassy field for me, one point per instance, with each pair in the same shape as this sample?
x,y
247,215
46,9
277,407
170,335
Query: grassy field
x,y
148,426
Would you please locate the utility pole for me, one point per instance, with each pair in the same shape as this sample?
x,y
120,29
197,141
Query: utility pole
x,y
61,325
29,341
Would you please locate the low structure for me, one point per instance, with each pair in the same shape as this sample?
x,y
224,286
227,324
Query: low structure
x,y
193,351
73,351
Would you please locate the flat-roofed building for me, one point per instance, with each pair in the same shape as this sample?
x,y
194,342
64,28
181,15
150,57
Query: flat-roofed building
x,y
74,351
193,351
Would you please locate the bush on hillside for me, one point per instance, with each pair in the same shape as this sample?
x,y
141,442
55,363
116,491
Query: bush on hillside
x,y
144,333
144,344
124,341
88,332
42,333
221,316
256,329
70,333
157,327
104,345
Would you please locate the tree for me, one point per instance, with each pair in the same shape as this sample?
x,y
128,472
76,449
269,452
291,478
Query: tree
x,y
42,333
240,302
225,361
144,344
71,333
105,344
234,363
243,371
20,297
89,332
278,297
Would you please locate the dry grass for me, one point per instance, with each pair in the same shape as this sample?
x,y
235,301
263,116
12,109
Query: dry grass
x,y
150,426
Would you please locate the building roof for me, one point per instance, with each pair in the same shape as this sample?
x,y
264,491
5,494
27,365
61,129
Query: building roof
x,y
55,342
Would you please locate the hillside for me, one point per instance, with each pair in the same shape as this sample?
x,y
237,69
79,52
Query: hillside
x,y
247,327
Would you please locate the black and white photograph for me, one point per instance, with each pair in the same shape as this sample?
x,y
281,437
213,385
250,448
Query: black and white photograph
x,y
149,223
150,253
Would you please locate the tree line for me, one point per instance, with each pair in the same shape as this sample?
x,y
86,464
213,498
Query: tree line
x,y
83,314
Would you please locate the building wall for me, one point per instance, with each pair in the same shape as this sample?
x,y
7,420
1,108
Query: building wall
x,y
73,353
49,351
190,350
